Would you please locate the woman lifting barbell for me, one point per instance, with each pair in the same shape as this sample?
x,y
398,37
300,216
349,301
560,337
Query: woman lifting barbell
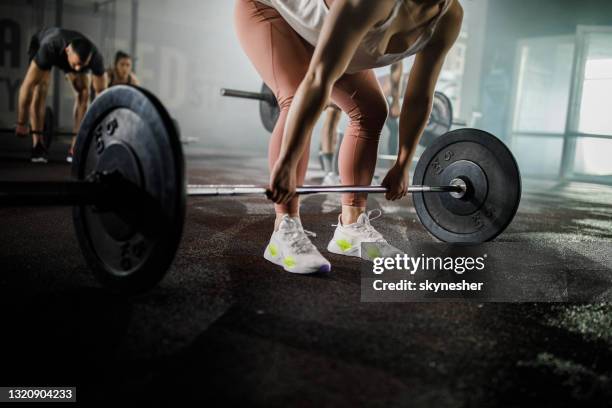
x,y
307,51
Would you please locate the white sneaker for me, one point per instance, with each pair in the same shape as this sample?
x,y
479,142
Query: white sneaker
x,y
331,179
291,248
347,239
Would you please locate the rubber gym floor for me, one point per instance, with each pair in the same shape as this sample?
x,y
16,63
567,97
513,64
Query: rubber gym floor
x,y
225,326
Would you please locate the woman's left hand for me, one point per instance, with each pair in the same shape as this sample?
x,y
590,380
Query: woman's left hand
x,y
396,182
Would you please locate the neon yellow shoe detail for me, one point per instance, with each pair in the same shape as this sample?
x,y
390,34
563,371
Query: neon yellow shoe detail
x,y
343,244
273,250
289,262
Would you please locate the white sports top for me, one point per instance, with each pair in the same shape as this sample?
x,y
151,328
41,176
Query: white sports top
x,y
306,17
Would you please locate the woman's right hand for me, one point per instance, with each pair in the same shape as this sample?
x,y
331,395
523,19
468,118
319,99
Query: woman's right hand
x,y
282,182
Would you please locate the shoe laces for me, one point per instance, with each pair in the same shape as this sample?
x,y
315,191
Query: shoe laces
x,y
298,237
378,212
365,228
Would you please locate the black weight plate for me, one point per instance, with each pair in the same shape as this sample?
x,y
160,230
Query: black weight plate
x,y
440,120
268,112
487,217
49,128
128,130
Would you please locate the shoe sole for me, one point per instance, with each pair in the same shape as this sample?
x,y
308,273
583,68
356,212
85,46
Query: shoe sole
x,y
39,160
335,249
277,261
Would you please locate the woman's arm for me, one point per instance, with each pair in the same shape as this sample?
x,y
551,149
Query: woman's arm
x,y
419,96
344,28
421,86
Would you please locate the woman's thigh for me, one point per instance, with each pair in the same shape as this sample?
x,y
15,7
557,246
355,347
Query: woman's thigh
x,y
278,53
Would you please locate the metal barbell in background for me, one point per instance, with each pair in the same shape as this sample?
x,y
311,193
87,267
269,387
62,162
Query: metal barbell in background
x,y
129,192
268,106
48,132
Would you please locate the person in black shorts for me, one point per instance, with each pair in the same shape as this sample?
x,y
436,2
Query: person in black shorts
x,y
76,56
121,73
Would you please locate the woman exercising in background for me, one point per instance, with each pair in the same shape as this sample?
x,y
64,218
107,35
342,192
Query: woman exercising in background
x,y
121,72
308,51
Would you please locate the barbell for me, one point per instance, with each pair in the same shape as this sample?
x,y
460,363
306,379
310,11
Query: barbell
x,y
128,190
48,132
440,119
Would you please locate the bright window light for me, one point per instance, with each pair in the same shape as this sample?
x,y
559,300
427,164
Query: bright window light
x,y
595,114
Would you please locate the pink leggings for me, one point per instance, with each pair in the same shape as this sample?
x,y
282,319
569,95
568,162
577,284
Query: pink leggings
x,y
281,57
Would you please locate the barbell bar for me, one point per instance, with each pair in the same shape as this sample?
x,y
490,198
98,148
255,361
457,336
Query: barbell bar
x,y
259,96
269,110
48,132
206,190
100,190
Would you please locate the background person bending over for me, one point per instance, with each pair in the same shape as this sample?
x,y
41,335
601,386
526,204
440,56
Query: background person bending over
x,y
121,73
307,51
75,55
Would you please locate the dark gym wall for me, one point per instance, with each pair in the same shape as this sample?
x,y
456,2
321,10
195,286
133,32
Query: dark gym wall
x,y
511,20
